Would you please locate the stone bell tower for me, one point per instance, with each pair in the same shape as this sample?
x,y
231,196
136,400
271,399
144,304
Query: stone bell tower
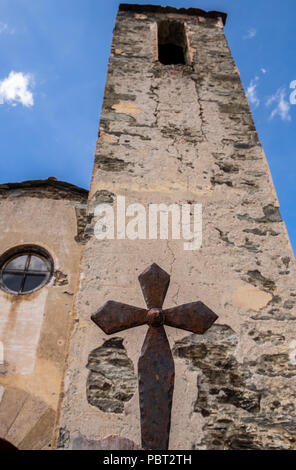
x,y
176,128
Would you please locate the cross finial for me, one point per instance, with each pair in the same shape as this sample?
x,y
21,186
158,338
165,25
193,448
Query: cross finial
x,y
156,365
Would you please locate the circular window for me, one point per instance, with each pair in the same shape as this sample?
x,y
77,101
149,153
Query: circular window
x,y
25,270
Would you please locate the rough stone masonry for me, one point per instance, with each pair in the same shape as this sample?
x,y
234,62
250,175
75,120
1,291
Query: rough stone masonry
x,y
183,133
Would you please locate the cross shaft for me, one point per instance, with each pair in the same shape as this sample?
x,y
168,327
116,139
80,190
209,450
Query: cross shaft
x,y
156,369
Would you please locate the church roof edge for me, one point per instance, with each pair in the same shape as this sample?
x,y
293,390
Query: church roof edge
x,y
66,188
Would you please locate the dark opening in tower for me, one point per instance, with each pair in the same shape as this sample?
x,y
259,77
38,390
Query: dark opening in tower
x,y
172,43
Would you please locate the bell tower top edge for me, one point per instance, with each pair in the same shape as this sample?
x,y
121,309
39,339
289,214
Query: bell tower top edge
x,y
150,9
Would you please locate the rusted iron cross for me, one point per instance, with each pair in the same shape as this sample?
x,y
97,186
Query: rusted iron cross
x,y
156,368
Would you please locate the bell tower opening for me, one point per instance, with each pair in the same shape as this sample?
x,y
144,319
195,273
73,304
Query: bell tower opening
x,y
172,43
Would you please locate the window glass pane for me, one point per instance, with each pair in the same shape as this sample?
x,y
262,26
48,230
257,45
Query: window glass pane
x,y
33,281
12,281
18,263
37,264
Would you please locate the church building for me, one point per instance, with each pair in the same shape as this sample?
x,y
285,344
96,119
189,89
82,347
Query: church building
x,y
176,130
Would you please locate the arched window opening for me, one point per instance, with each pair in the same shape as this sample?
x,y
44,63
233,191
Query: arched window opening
x,y
172,43
5,445
25,269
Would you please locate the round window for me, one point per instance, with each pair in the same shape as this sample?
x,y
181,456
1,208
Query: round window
x,y
22,272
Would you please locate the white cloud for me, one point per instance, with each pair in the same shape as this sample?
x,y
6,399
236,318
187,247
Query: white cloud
x,y
282,106
16,89
250,34
263,70
4,28
252,92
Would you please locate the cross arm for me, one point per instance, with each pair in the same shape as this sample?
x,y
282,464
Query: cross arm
x,y
195,317
113,317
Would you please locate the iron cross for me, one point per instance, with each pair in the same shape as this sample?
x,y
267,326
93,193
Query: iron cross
x,y
156,370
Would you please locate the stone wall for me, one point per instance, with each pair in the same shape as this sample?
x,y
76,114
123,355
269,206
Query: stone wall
x,y
185,134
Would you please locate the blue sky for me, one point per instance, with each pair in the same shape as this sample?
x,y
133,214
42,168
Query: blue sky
x,y
53,66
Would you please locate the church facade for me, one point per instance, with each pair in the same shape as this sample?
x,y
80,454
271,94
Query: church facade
x,y
175,130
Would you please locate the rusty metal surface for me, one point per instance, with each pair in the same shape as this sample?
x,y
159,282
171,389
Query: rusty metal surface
x,y
156,365
113,317
195,317
156,385
154,282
